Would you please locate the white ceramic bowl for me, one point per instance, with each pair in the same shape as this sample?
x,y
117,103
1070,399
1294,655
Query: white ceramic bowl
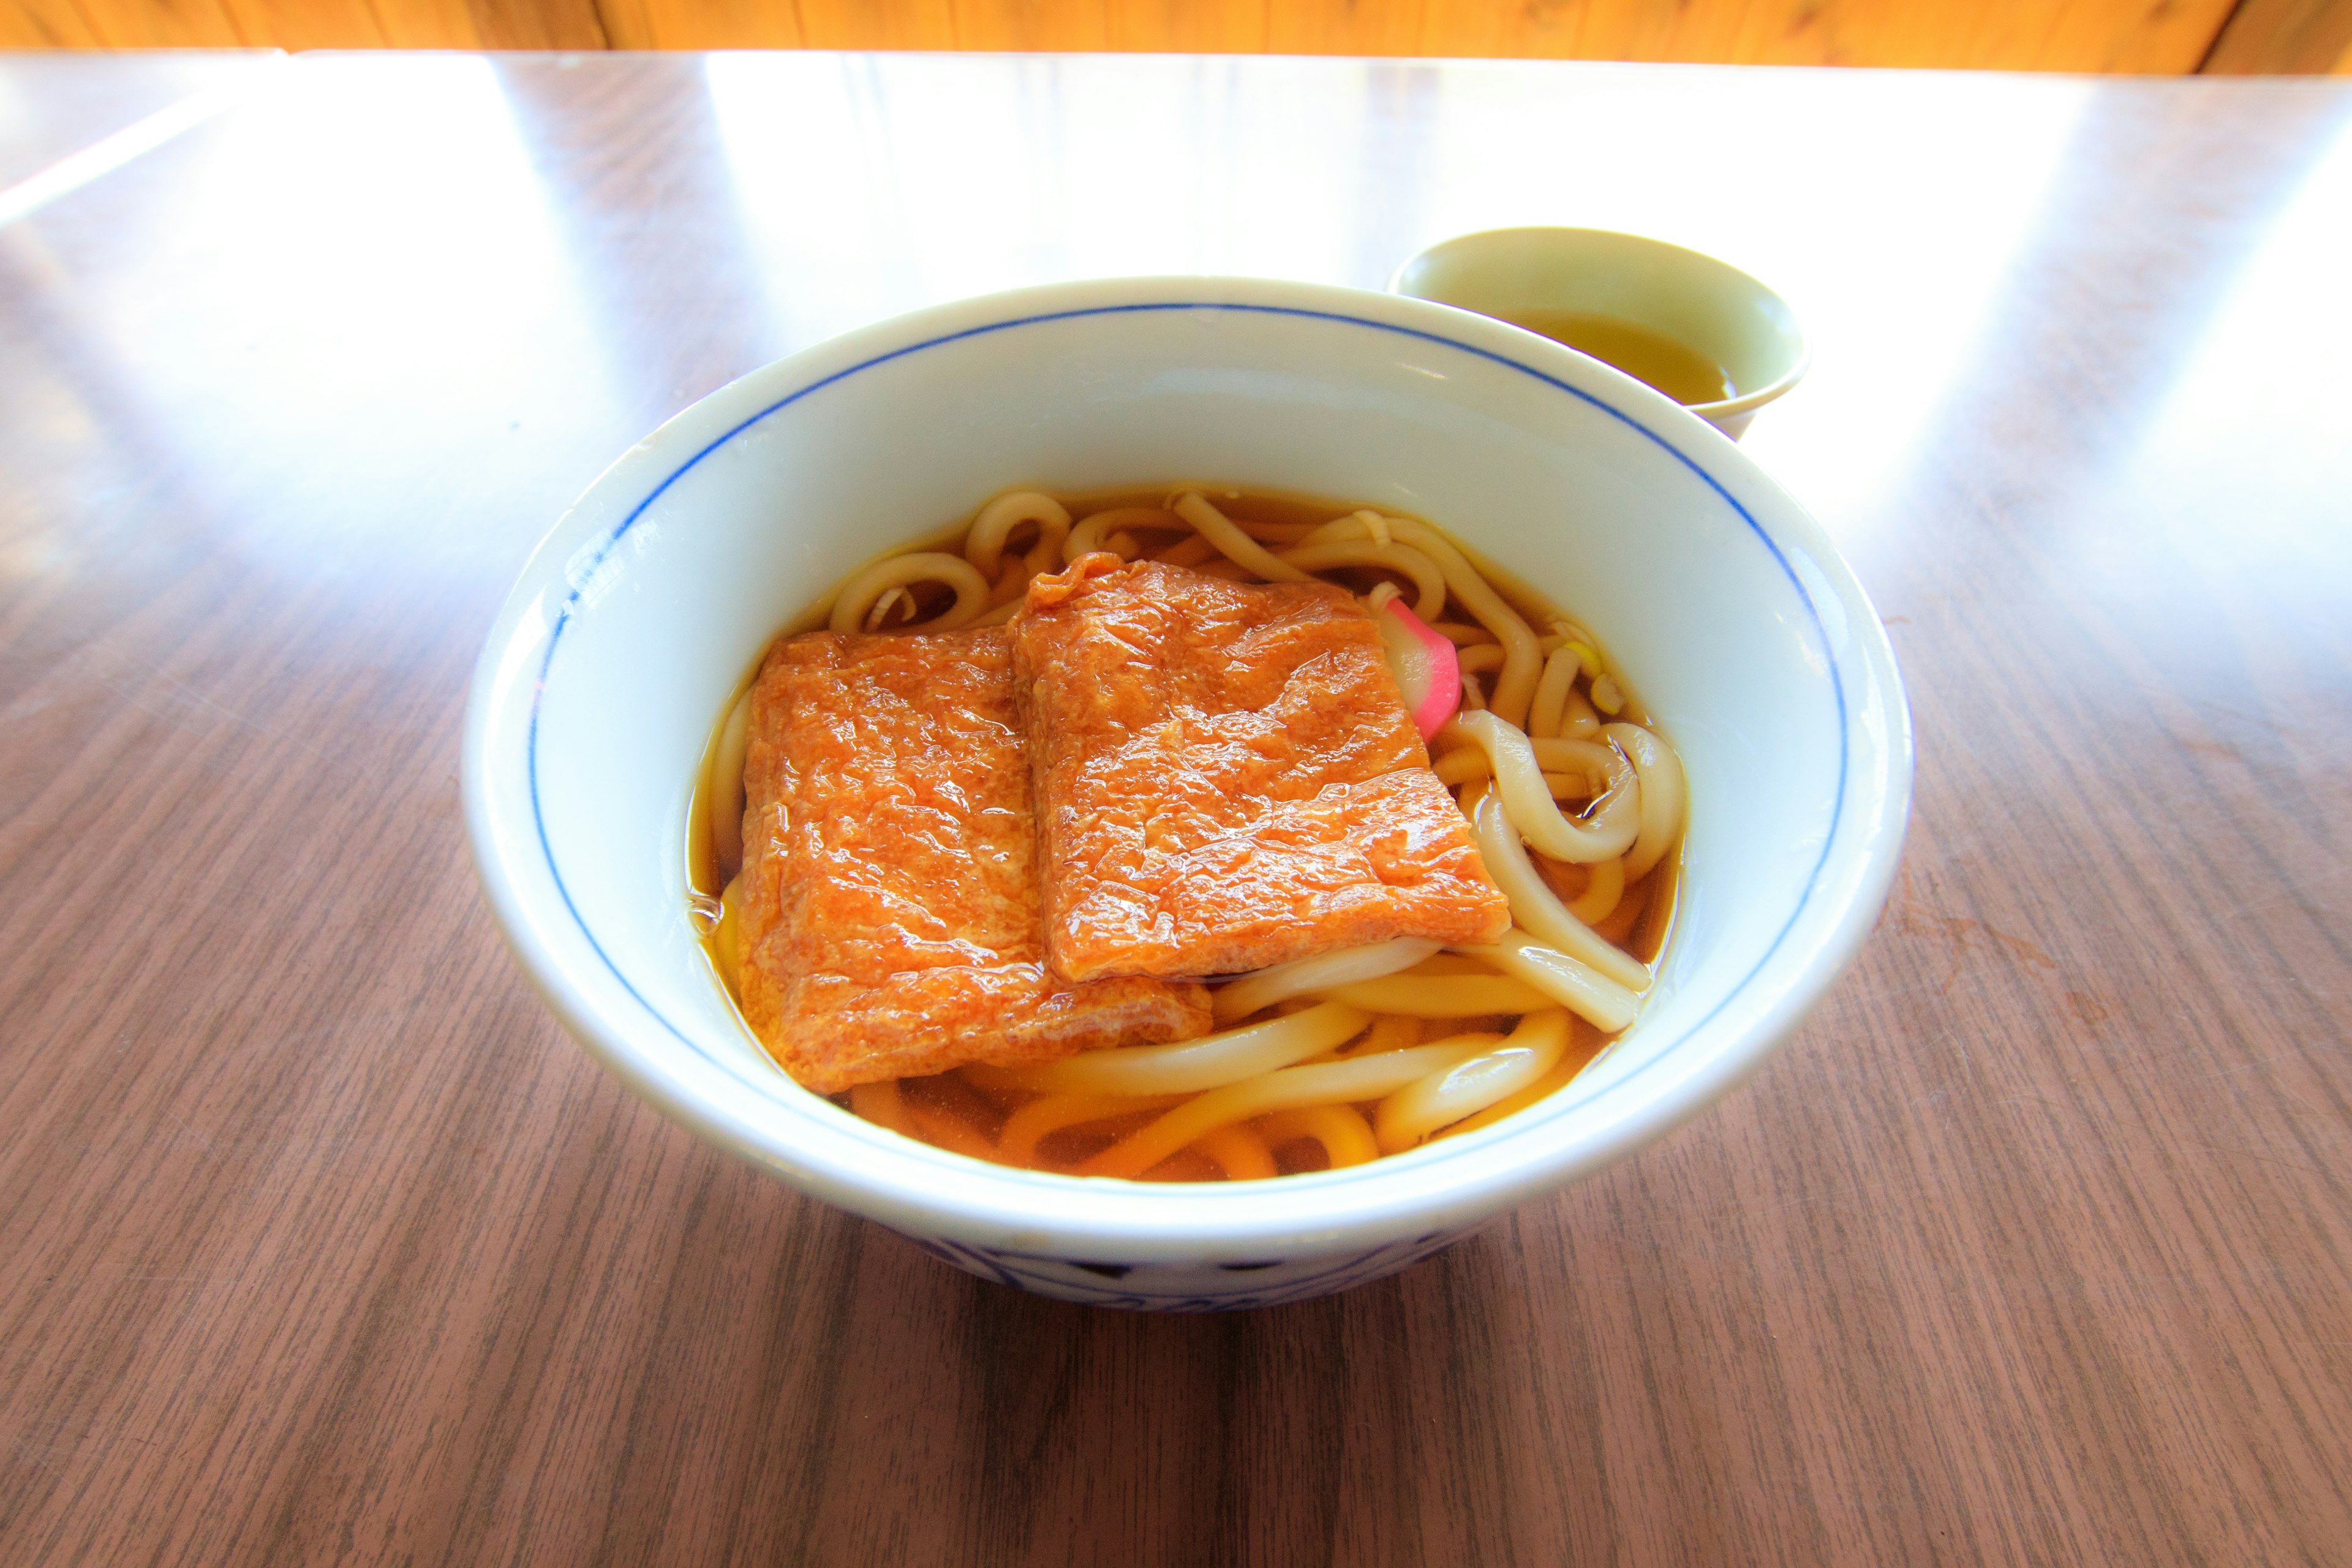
x,y
1726,605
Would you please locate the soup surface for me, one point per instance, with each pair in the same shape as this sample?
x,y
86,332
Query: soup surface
x,y
1574,803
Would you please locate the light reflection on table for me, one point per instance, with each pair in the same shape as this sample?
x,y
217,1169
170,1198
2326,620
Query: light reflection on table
x,y
865,189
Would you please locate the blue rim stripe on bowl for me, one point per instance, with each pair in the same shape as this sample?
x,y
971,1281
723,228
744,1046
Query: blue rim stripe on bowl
x,y
586,574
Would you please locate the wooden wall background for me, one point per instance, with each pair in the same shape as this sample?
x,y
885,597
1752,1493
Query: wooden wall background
x,y
2169,37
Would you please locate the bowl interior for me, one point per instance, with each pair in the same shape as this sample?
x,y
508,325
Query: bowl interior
x,y
1733,621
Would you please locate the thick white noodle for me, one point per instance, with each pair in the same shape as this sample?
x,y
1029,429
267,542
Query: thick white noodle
x,y
983,546
1428,581
1559,708
1047,1114
1347,1139
877,615
1439,996
1348,1082
1236,546
1483,659
1194,1065
727,780
1189,551
863,592
1662,790
1564,630
1282,534
1011,583
1537,909
1239,1152
1615,819
1240,997
1395,1032
1112,531
1559,673
1467,1088
1574,984
1465,763
1605,889
1523,661
1088,537
1577,719
1566,763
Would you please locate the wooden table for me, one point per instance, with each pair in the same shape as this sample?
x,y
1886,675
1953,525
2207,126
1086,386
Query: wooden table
x,y
322,1243
77,116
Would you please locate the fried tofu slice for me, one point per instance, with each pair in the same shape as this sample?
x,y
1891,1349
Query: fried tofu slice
x,y
889,905
1226,778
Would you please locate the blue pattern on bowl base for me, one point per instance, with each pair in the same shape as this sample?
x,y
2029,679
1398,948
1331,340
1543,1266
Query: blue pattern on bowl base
x,y
1189,1287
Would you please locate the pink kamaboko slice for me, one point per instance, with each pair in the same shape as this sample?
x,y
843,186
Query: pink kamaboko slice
x,y
1427,670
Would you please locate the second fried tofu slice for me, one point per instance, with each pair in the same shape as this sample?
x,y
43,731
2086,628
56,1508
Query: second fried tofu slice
x,y
1226,778
888,907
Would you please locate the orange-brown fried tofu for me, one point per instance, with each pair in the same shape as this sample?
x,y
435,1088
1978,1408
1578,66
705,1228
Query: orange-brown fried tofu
x,y
1226,778
888,911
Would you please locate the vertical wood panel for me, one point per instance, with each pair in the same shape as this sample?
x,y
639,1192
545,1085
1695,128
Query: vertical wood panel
x,y
2029,34
31,24
415,23
316,23
2284,37
120,25
302,24
1484,29
432,24
2154,36
862,24
1189,27
2103,35
1031,24
705,24
537,24
1347,27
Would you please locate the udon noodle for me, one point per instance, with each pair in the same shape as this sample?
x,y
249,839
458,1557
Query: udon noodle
x,y
1574,800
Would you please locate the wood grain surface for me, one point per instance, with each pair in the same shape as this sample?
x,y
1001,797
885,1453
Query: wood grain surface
x,y
322,1243
2246,37
2312,37
301,23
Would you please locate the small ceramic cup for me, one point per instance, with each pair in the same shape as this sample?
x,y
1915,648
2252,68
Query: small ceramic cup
x,y
1704,304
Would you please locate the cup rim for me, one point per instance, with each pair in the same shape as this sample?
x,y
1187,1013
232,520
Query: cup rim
x,y
1721,407
1417,1195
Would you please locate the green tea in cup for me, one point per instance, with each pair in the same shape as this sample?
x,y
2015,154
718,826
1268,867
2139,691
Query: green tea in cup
x,y
1699,329
1674,368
